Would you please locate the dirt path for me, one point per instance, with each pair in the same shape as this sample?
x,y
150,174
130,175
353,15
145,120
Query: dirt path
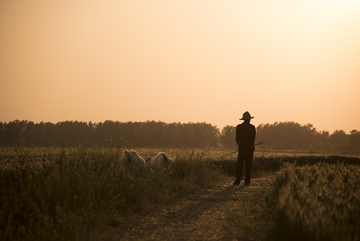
x,y
222,212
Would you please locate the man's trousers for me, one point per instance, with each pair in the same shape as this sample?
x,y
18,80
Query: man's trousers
x,y
244,158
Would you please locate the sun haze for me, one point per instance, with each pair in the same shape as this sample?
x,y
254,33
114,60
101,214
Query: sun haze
x,y
181,61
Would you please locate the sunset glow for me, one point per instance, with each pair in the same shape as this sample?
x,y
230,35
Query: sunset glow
x,y
183,61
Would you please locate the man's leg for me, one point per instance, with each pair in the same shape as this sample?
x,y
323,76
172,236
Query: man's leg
x,y
239,168
248,166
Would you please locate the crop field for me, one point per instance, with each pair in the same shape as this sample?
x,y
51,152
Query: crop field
x,y
62,194
66,193
318,202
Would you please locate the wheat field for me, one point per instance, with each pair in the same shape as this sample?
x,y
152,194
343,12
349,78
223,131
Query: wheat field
x,y
65,193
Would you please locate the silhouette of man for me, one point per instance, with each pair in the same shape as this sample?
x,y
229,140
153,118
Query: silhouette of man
x,y
245,139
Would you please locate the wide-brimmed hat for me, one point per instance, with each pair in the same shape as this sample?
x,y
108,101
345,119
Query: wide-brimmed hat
x,y
246,116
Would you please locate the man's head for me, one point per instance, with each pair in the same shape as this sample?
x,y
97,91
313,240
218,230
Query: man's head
x,y
246,117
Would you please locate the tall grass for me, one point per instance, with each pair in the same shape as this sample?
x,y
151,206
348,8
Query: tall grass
x,y
63,194
66,193
318,202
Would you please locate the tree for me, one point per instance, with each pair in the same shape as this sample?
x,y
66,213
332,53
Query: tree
x,y
2,130
322,140
227,137
12,133
354,140
338,140
30,134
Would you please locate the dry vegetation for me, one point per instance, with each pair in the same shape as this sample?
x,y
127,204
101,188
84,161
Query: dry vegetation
x,y
84,194
318,202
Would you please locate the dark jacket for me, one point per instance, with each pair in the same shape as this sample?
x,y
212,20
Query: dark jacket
x,y
245,137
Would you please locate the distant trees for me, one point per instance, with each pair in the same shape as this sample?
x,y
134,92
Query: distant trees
x,y
354,140
293,136
277,136
227,137
13,132
109,133
287,135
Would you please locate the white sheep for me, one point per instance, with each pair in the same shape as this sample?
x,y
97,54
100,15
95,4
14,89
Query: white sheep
x,y
160,161
132,161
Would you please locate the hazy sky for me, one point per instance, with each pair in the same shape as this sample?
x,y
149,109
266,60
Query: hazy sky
x,y
181,61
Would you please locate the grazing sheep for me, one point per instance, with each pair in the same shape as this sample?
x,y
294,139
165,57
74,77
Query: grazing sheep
x,y
160,161
132,161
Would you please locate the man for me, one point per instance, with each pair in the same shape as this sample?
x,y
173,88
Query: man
x,y
245,138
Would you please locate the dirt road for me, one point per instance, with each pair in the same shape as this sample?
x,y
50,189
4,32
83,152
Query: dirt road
x,y
222,212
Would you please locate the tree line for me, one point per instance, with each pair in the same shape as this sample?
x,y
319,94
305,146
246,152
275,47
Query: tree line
x,y
108,133
277,136
294,136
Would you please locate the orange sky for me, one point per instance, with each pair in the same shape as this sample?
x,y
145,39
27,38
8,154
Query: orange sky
x,y
181,61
